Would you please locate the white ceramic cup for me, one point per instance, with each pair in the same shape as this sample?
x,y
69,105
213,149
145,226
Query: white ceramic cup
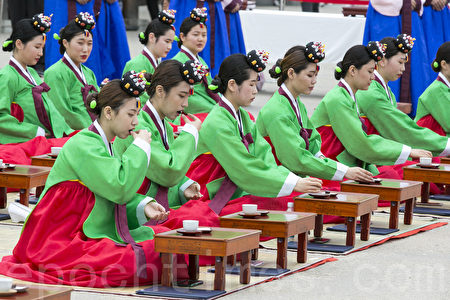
x,y
249,208
56,150
190,225
5,284
426,161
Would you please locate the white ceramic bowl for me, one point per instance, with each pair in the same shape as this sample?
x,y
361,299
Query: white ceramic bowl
x,y
425,161
56,150
5,284
190,225
249,208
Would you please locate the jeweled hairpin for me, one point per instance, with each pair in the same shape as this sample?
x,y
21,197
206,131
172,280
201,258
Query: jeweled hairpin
x,y
257,59
315,52
133,83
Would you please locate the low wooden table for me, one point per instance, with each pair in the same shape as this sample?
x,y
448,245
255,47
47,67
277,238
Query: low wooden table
x,y
426,175
445,160
43,292
279,224
349,205
221,243
23,178
43,160
391,190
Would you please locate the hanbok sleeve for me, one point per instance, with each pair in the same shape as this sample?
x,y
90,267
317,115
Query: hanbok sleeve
x,y
439,108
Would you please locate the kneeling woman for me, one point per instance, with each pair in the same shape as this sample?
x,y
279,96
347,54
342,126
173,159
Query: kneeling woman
x,y
88,228
170,159
379,105
69,79
337,118
434,104
25,108
283,119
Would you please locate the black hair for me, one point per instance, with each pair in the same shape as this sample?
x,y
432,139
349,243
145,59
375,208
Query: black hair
x,y
357,56
185,27
235,66
167,74
22,30
443,54
391,47
68,33
111,94
294,58
156,27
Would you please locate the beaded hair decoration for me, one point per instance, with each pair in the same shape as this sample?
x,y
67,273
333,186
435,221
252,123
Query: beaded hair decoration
x,y
257,59
404,42
86,22
167,17
199,15
42,23
376,50
315,52
134,84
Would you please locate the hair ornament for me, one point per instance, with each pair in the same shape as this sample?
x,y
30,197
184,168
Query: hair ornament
x,y
376,50
86,22
141,35
315,52
41,22
199,15
435,64
277,69
167,16
404,42
7,43
93,104
338,69
104,82
213,87
133,83
193,72
257,59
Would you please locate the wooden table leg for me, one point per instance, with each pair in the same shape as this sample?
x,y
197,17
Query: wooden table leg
x,y
3,197
282,253
39,190
425,192
318,228
166,277
393,218
351,231
24,196
231,260
409,206
193,268
255,254
245,271
219,275
365,227
302,247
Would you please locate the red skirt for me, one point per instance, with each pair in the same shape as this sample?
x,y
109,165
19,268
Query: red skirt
x,y
54,250
429,122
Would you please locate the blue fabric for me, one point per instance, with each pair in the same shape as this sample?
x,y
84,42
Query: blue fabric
x,y
430,211
236,37
177,292
373,230
221,45
110,49
255,271
379,26
323,247
4,217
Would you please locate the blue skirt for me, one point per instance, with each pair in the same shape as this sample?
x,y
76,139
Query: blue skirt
x,y
110,50
235,35
221,43
379,26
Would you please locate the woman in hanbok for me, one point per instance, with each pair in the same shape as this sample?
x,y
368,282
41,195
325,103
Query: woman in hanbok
x,y
89,227
157,40
338,120
69,79
110,50
284,122
26,111
170,158
378,104
433,110
192,40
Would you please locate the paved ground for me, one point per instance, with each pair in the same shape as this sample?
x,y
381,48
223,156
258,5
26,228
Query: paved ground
x,y
416,267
